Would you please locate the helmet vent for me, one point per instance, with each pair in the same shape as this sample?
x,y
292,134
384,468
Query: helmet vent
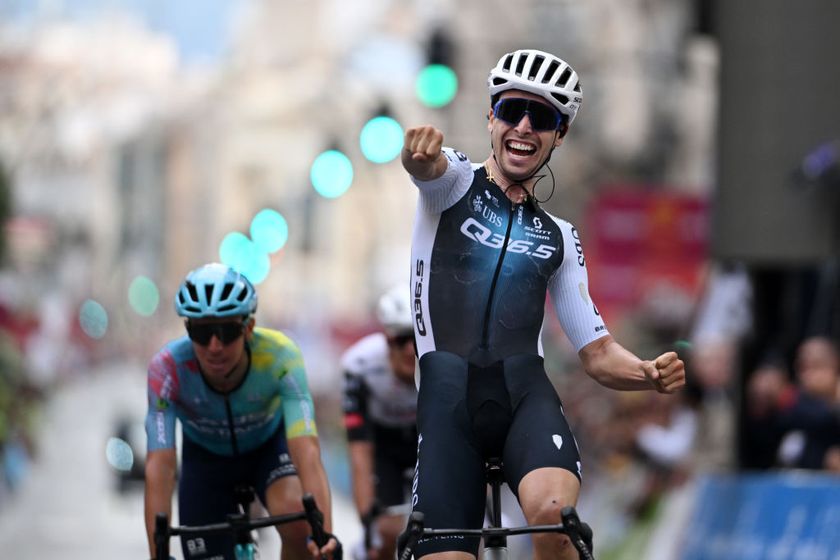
x,y
564,77
193,291
560,97
552,68
520,65
226,290
499,81
243,295
208,292
506,65
535,67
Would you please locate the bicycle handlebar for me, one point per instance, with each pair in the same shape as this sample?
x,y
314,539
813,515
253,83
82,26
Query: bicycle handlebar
x,y
241,522
574,530
408,538
571,526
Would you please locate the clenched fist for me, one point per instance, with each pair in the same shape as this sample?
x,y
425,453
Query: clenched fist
x,y
421,155
666,373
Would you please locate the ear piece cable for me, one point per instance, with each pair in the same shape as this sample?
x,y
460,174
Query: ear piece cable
x,y
530,199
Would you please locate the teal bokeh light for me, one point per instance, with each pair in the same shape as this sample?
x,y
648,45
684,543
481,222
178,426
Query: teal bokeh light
x,y
381,139
436,85
93,319
143,296
240,253
331,173
269,230
119,455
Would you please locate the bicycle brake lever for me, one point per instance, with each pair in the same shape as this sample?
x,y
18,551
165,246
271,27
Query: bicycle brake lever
x,y
315,519
161,536
574,530
408,538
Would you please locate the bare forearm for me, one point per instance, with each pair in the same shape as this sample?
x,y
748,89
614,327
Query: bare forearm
x,y
425,170
306,455
613,366
361,468
160,484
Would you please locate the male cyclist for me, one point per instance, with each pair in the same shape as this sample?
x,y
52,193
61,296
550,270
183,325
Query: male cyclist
x,y
246,414
380,412
484,254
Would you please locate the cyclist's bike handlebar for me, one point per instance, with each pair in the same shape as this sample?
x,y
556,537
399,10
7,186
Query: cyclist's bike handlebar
x,y
571,526
240,523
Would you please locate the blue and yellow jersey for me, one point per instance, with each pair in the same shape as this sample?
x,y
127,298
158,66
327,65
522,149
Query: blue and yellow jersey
x,y
274,390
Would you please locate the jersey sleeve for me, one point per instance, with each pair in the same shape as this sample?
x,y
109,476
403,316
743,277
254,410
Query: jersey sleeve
x,y
162,394
298,408
439,194
356,421
569,290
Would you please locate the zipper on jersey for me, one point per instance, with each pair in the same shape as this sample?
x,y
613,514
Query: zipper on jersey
x,y
233,441
485,333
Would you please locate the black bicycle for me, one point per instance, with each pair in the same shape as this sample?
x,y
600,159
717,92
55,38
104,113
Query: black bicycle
x,y
495,536
242,525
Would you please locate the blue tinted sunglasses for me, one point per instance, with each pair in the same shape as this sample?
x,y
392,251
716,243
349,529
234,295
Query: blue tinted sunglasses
x,y
542,117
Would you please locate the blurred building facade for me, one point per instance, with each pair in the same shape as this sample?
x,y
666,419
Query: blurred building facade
x,y
133,166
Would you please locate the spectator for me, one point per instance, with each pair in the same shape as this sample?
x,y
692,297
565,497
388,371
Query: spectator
x,y
810,417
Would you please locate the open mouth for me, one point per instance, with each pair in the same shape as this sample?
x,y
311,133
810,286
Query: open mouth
x,y
519,148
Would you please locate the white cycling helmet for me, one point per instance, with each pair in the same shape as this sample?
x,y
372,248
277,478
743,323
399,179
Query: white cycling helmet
x,y
539,73
394,310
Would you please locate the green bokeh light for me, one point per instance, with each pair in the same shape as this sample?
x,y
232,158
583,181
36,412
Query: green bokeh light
x,y
381,139
119,455
269,230
436,85
93,319
682,345
331,173
240,253
143,296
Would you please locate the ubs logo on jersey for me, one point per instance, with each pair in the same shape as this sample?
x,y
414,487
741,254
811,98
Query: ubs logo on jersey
x,y
480,207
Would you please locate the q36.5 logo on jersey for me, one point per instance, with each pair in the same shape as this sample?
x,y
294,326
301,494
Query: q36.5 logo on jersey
x,y
484,235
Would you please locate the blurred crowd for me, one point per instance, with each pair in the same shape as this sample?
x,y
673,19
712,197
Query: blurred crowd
x,y
752,403
20,398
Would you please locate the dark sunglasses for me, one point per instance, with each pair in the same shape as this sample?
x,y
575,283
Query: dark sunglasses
x,y
542,117
226,332
401,340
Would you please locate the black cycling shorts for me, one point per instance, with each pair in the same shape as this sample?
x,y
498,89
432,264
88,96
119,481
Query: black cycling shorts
x,y
467,415
206,489
395,453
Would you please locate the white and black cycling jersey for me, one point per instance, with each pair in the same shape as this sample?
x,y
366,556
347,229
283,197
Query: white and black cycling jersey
x,y
374,398
481,267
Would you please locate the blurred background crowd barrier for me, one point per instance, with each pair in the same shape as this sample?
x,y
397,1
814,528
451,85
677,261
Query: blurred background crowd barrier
x,y
139,139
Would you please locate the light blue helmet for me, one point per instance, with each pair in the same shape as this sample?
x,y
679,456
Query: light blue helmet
x,y
215,290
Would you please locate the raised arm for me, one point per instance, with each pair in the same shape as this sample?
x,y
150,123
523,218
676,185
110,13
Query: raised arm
x,y
613,366
421,155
